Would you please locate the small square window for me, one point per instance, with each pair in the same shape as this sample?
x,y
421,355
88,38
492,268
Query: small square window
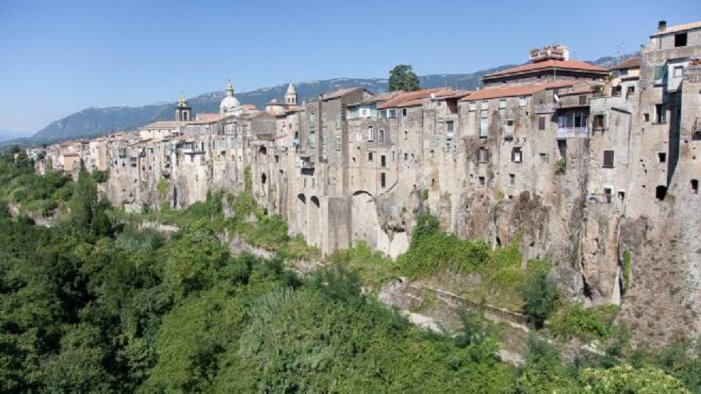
x,y
678,71
662,157
541,123
472,106
680,40
522,101
482,181
608,159
516,155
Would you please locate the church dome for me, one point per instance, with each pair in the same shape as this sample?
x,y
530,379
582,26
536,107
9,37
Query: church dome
x,y
229,103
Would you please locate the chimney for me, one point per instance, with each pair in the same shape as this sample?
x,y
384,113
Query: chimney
x,y
661,25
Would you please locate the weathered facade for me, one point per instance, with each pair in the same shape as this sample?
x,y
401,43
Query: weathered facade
x,y
594,169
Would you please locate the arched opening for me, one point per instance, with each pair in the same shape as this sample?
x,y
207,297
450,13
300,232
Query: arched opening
x,y
660,192
364,221
263,150
263,178
314,226
300,223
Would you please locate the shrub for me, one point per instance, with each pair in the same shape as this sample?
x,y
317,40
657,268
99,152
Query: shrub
x,y
541,296
560,166
587,324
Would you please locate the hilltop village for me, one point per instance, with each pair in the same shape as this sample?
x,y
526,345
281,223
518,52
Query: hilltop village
x,y
594,169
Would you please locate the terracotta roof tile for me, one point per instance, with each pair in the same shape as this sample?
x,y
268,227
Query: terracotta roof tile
x,y
631,62
408,99
524,90
548,64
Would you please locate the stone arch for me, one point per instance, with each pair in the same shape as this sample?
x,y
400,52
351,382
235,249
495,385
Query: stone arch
x,y
365,223
314,222
301,214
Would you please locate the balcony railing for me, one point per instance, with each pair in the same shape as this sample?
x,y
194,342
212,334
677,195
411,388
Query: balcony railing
x,y
572,132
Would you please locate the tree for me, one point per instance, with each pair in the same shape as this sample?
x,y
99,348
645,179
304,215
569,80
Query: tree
x,y
402,77
541,296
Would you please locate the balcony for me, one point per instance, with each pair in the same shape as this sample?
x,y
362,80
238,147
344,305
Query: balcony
x,y
572,132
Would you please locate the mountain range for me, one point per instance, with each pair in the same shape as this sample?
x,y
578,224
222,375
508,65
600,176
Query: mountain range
x,y
93,122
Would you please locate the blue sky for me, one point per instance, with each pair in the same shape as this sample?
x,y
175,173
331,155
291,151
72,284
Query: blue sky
x,y
59,57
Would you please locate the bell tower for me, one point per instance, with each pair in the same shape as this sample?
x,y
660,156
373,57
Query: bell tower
x,y
183,113
291,95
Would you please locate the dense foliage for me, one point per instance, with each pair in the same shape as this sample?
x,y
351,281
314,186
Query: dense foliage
x,y
403,77
96,303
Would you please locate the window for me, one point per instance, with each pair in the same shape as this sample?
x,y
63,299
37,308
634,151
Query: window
x,y
371,133
383,161
484,105
680,40
383,179
472,106
661,113
392,113
541,123
482,181
646,116
369,156
608,192
403,111
583,100
522,101
382,135
484,124
630,90
695,186
338,143
482,155
696,136
516,155
449,125
406,156
662,157
608,159
678,71
599,122
502,103
311,120
512,180
364,112
544,157
406,135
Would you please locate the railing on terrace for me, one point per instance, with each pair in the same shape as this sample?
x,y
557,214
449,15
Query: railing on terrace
x,y
572,132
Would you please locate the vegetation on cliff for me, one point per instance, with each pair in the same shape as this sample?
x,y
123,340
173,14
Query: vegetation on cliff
x,y
96,304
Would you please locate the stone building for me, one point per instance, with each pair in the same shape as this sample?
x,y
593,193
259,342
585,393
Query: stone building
x,y
593,169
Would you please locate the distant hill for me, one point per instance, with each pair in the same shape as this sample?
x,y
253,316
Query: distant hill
x,y
92,122
6,135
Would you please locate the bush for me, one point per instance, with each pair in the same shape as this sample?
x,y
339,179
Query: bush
x,y
541,296
587,324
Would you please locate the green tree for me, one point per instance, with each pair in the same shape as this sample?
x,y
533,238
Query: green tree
x,y
402,77
541,296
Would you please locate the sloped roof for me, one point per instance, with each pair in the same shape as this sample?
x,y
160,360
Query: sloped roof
x,y
524,90
678,28
341,92
418,97
631,62
548,64
164,124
